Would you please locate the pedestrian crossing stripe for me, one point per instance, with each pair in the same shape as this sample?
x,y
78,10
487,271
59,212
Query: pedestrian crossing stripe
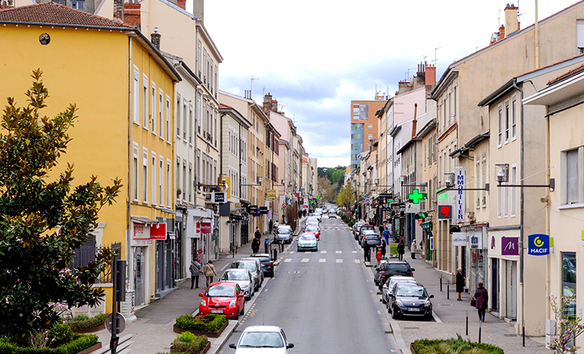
x,y
357,261
304,260
339,252
322,260
323,252
339,260
287,260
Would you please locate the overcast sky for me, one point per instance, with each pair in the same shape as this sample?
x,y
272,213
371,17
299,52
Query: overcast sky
x,y
315,56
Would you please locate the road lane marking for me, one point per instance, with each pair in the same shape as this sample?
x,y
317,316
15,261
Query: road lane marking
x,y
339,252
323,252
288,260
291,252
339,260
357,261
354,251
322,260
304,260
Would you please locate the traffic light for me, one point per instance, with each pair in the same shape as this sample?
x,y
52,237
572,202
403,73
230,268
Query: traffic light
x,y
318,196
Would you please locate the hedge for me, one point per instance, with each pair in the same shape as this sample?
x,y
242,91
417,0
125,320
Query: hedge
x,y
88,323
427,346
79,343
210,323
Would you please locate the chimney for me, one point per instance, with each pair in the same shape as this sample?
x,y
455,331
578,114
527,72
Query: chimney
x,y
267,103
430,75
415,122
511,21
119,9
132,13
182,4
155,38
502,32
199,9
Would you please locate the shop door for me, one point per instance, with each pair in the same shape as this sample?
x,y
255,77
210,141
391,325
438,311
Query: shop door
x,y
139,271
494,285
244,231
511,289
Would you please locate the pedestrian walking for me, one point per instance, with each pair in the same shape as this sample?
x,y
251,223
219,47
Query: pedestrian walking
x,y
255,245
383,248
459,283
386,235
378,254
209,271
366,253
195,269
413,249
481,300
258,234
401,249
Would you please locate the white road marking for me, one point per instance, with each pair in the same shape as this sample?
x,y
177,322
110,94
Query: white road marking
x,y
357,261
323,252
339,252
354,251
291,252
322,260
304,260
339,260
288,260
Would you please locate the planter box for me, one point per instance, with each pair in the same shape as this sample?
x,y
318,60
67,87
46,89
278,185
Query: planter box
x,y
94,347
89,330
412,348
205,350
200,333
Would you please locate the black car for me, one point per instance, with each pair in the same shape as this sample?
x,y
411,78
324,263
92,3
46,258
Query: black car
x,y
371,237
410,299
394,267
267,263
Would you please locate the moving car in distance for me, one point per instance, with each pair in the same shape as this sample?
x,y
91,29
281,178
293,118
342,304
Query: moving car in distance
x,y
409,299
223,298
262,339
313,229
283,234
307,242
243,278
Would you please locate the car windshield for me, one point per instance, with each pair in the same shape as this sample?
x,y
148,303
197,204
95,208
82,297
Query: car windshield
x,y
399,267
411,291
248,265
264,258
307,237
372,237
363,228
235,276
311,228
261,340
221,291
283,231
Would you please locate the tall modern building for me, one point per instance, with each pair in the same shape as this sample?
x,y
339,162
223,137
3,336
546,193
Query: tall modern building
x,y
364,126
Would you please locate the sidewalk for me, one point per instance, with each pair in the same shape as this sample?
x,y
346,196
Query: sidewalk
x,y
153,329
451,316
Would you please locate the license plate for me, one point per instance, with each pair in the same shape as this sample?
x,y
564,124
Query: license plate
x,y
216,311
413,309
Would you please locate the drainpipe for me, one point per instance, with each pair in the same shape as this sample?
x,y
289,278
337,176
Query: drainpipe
x,y
130,159
522,214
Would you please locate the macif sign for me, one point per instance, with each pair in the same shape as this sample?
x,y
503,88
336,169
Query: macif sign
x,y
538,244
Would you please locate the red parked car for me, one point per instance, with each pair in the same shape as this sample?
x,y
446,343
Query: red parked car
x,y
223,298
313,229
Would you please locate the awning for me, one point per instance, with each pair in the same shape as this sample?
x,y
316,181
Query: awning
x,y
144,220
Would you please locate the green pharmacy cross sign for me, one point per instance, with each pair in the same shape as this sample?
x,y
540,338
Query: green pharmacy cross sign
x,y
416,196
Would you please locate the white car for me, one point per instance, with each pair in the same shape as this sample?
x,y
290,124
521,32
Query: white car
x,y
262,339
242,277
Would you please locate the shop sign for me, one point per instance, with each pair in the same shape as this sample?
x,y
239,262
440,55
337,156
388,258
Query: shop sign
x,y
263,210
432,243
459,239
444,212
206,227
198,229
158,231
271,194
538,244
509,246
460,201
412,208
476,240
218,197
141,232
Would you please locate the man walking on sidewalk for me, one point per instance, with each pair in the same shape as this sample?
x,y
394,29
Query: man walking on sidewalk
x,y
195,269
258,234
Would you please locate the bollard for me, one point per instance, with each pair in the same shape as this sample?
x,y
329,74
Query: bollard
x,y
448,291
467,322
440,282
275,254
267,245
480,327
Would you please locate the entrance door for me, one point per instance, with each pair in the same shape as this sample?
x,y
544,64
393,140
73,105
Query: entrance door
x,y
139,272
494,284
511,289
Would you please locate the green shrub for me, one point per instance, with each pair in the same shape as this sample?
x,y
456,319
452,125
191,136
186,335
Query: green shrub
x,y
186,337
80,318
79,343
454,346
209,323
195,347
60,334
92,322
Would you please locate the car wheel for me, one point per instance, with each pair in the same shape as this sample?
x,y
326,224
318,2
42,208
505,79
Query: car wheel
x,y
237,314
394,315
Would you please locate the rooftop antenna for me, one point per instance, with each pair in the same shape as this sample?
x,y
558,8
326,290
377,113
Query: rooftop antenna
x,y
251,85
435,58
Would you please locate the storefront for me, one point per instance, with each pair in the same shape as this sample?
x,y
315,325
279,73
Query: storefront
x,y
477,257
503,286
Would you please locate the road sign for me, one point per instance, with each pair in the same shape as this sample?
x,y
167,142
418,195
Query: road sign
x,y
412,208
121,322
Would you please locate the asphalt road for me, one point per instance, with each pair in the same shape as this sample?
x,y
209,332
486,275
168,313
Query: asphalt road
x,y
325,301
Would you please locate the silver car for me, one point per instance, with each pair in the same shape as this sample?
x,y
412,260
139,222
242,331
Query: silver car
x,y
259,265
390,283
243,278
283,234
250,265
307,242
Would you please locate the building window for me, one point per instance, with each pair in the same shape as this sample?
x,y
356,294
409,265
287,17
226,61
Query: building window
x,y
184,184
178,111
191,124
135,172
168,183
145,175
160,112
370,126
500,121
190,182
78,5
185,121
514,118
145,102
160,179
580,36
500,202
167,121
569,282
513,191
153,178
507,122
153,99
454,105
136,105
573,179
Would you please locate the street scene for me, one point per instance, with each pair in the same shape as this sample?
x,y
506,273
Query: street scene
x,y
182,176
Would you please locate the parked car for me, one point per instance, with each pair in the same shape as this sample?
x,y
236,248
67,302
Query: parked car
x,y
253,269
371,238
283,234
390,283
267,263
356,227
394,267
307,242
262,339
314,229
378,275
363,228
243,278
223,298
332,214
410,299
312,222
258,264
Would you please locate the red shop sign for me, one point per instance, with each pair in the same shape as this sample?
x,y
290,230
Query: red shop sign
x,y
158,231
206,227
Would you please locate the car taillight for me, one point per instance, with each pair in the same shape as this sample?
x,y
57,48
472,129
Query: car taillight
x,y
271,263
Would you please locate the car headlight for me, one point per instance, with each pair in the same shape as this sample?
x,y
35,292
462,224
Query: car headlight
x,y
427,304
399,303
232,302
203,302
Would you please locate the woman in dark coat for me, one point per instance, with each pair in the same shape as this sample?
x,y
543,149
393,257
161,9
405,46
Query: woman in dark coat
x,y
459,283
482,298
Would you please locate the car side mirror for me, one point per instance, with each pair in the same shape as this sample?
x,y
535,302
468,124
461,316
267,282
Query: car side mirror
x,y
232,346
430,297
240,295
413,269
290,346
201,294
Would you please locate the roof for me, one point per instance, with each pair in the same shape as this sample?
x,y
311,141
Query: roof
x,y
50,13
262,329
566,75
470,144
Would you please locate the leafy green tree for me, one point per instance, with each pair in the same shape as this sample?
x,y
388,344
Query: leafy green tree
x,y
43,219
337,175
346,196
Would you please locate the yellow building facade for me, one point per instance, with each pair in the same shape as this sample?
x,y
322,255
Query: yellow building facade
x,y
111,72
